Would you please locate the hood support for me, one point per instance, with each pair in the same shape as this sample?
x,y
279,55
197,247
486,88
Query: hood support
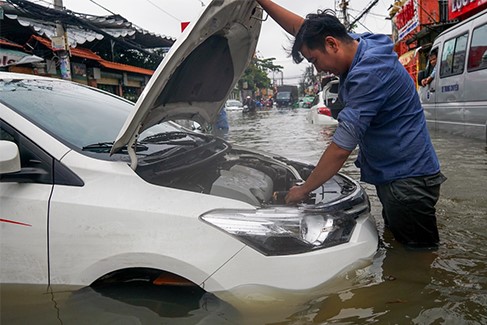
x,y
132,154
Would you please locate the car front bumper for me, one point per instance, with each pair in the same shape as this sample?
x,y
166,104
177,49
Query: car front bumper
x,y
296,272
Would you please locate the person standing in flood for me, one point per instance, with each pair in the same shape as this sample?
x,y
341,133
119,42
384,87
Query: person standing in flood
x,y
382,116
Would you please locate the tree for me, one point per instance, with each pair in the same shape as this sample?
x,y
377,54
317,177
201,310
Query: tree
x,y
138,59
256,75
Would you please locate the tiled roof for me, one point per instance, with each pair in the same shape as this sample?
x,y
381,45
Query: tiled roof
x,y
87,54
5,42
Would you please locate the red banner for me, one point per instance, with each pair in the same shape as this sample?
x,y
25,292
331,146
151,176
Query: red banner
x,y
406,14
457,8
406,20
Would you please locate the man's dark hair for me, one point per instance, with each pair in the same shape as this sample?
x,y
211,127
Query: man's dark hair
x,y
315,29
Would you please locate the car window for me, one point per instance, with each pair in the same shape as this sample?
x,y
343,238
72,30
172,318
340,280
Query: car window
x,y
477,57
31,156
74,114
333,88
453,56
37,165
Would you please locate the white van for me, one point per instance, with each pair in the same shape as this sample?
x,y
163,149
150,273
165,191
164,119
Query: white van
x,y
456,99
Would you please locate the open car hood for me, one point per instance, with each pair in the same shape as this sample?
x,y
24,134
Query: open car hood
x,y
200,70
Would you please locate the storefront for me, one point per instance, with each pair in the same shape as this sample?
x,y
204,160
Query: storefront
x,y
89,68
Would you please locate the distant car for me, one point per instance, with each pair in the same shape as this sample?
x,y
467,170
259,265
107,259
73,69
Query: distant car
x,y
305,102
330,97
95,189
319,113
233,105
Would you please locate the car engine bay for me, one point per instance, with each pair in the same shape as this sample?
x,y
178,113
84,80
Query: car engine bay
x,y
217,168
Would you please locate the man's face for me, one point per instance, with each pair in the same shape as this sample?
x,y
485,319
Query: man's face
x,y
433,60
325,59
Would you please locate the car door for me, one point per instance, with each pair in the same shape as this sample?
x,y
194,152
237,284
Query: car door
x,y
450,85
24,208
427,93
25,200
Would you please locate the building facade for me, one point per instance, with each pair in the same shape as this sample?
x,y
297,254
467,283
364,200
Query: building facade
x,y
93,50
416,24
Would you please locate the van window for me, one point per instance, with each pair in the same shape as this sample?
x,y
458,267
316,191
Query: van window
x,y
477,58
453,56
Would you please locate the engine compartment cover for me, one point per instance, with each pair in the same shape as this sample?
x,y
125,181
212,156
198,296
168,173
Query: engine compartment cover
x,y
244,184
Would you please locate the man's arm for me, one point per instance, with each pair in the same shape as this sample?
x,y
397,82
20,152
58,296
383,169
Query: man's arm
x,y
330,163
288,20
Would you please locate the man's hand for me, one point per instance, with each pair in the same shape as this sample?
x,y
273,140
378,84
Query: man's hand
x,y
296,194
330,163
426,81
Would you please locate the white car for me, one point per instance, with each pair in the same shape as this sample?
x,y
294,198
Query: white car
x,y
95,189
233,105
326,106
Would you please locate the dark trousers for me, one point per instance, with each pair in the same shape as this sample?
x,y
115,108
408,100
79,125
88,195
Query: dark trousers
x,y
408,209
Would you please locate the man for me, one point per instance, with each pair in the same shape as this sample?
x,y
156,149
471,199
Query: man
x,y
382,115
250,103
432,57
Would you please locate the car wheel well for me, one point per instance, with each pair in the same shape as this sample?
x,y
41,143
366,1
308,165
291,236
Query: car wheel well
x,y
142,275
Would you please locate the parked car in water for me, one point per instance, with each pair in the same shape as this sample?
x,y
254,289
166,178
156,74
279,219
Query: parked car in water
x,y
456,101
320,113
330,97
95,189
233,105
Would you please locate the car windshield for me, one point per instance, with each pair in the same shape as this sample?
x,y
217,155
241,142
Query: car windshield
x,y
233,103
283,95
76,115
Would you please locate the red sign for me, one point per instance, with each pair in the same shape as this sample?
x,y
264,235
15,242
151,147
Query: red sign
x,y
405,15
184,24
457,8
407,19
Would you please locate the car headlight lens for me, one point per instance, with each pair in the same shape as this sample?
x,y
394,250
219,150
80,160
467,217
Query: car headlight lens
x,y
283,230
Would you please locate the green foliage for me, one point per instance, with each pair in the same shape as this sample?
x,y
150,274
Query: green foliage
x,y
142,60
255,76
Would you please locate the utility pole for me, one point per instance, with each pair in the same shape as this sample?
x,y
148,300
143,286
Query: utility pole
x,y
60,45
343,5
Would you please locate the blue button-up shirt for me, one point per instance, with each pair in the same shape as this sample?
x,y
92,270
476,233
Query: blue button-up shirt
x,y
382,114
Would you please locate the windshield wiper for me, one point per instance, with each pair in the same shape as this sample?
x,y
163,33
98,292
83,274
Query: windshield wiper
x,y
99,147
164,136
105,147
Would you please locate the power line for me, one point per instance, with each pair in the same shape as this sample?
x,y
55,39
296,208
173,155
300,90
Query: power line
x,y
370,13
357,21
164,11
365,11
99,5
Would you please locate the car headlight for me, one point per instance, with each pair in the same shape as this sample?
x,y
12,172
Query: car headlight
x,y
283,230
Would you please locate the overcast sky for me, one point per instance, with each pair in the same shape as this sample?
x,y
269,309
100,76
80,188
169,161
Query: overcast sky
x,y
164,17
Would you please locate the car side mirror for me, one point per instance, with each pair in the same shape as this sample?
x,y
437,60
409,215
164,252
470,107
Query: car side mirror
x,y
10,157
10,166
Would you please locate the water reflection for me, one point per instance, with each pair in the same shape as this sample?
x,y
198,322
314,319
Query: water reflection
x,y
131,303
448,286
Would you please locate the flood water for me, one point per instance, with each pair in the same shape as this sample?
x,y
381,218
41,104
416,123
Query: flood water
x,y
448,286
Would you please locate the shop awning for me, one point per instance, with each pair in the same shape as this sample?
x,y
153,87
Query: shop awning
x,y
406,58
10,57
